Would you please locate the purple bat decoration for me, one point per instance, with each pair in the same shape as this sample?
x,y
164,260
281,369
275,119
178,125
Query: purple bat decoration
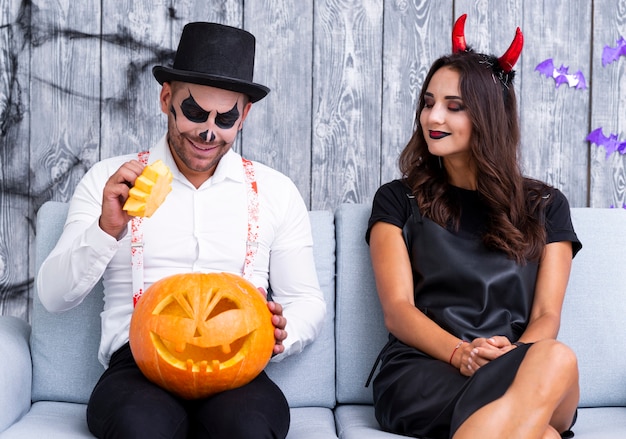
x,y
611,144
610,54
612,206
561,74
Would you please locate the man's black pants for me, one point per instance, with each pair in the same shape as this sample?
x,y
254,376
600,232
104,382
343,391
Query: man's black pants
x,y
125,404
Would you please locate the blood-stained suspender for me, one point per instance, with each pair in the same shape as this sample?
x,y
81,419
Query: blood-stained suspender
x,y
136,244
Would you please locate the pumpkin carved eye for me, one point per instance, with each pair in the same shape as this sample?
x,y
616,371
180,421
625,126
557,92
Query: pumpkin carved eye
x,y
198,334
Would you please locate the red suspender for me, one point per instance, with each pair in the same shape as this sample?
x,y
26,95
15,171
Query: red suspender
x,y
136,245
253,219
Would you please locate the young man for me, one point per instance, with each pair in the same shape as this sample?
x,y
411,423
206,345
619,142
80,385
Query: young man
x,y
203,226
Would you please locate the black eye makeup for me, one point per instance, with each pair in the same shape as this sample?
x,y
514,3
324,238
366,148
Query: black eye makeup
x,y
228,119
195,113
192,111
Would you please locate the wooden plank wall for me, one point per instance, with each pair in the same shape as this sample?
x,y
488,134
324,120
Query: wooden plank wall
x,y
76,86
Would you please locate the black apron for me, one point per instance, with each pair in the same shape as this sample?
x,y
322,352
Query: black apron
x,y
471,292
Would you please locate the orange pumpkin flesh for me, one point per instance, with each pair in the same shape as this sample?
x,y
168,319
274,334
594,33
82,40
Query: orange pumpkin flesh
x,y
198,334
150,190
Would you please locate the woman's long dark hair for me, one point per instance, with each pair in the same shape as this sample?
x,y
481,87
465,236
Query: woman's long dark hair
x,y
514,226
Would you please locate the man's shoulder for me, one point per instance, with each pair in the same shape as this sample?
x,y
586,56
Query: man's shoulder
x,y
264,172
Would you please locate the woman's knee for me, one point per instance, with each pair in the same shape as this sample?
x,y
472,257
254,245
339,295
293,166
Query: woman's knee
x,y
551,433
557,355
556,368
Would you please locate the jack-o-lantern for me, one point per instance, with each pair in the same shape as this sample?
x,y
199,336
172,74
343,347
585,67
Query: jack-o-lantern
x,y
198,334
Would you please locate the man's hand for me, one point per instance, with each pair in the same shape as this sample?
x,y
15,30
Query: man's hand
x,y
114,219
279,323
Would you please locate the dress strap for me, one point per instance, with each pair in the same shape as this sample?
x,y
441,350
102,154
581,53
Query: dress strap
x,y
377,361
415,210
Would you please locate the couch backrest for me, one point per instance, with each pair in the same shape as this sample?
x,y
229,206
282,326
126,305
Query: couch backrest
x,y
308,378
64,346
593,320
594,313
360,331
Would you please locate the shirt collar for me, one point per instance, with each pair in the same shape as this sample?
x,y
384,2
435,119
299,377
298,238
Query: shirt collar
x,y
229,167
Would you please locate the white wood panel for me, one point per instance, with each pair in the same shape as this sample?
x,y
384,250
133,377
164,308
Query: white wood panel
x,y
76,86
416,33
555,120
278,129
347,73
16,215
136,35
608,106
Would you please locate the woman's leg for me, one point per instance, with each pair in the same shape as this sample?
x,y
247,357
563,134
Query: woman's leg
x,y
551,433
544,393
125,405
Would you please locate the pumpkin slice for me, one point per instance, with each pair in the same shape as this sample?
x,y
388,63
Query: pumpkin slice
x,y
150,190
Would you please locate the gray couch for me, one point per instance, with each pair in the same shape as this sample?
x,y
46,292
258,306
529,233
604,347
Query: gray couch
x,y
49,369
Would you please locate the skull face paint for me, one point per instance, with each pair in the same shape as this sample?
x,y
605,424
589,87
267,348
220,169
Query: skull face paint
x,y
203,123
195,113
192,111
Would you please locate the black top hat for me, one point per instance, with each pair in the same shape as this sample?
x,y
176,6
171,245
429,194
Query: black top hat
x,y
215,55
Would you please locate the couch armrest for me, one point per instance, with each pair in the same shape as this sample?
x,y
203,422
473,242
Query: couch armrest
x,y
16,372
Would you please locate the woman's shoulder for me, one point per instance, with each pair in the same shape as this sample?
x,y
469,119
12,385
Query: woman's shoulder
x,y
392,196
551,200
397,188
391,204
556,213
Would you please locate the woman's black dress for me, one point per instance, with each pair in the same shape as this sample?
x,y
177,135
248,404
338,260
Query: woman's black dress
x,y
469,291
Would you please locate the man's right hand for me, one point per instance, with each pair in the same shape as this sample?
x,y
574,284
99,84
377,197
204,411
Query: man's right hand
x,y
114,219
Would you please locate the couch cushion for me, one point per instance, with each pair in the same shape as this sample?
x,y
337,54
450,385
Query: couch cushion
x,y
16,370
601,423
308,378
65,346
51,420
595,307
360,330
358,422
312,423
62,420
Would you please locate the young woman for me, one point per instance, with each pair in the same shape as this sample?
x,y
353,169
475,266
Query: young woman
x,y
471,262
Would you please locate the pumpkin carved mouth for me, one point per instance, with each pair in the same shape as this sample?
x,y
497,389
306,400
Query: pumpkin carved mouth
x,y
189,325
198,334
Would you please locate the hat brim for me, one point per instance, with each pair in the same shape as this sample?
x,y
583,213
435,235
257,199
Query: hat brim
x,y
256,92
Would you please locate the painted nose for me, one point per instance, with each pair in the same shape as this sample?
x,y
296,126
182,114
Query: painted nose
x,y
204,135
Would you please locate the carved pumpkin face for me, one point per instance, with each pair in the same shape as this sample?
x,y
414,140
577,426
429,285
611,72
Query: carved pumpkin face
x,y
198,334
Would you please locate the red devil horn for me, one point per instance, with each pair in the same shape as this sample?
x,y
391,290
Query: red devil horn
x,y
458,35
510,57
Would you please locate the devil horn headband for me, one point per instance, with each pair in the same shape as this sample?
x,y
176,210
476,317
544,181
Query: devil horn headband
x,y
506,61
